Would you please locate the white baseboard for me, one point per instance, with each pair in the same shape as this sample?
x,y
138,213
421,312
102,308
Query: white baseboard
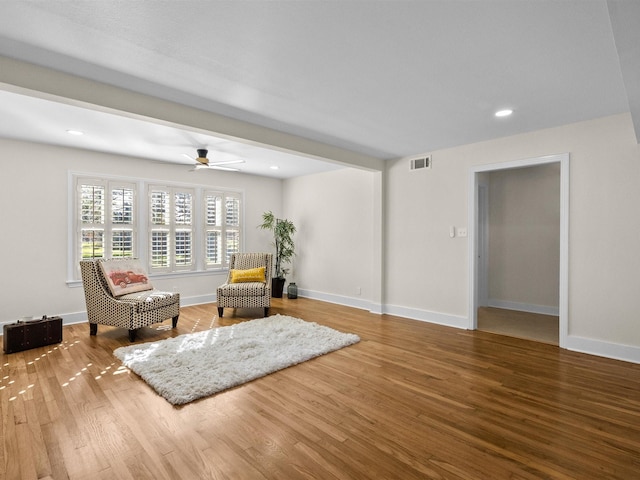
x,y
614,351
72,318
413,313
428,316
342,300
198,300
81,317
524,307
589,346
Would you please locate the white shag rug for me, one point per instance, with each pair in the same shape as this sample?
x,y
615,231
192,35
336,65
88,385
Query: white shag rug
x,y
196,365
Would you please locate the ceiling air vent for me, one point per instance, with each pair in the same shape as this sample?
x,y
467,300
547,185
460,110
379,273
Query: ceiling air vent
x,y
421,162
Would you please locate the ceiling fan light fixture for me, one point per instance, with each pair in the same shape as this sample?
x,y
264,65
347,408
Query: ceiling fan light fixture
x,y
202,162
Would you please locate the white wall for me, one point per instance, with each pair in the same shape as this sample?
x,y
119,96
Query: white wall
x,y
524,238
427,272
34,217
336,236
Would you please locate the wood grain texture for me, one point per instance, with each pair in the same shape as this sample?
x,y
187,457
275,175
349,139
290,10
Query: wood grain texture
x,y
412,400
514,323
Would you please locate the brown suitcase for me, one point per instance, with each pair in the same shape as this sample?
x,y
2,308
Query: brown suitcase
x,y
31,334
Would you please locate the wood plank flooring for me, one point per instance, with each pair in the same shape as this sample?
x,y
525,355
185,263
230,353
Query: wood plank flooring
x,y
530,326
412,400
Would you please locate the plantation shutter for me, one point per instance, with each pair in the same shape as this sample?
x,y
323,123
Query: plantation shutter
x,y
160,217
122,222
105,224
185,228
213,229
222,236
183,202
232,234
92,220
172,226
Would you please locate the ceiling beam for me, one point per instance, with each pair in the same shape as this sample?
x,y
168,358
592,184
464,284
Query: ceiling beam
x,y
38,81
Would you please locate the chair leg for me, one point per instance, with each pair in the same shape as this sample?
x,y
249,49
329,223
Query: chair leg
x,y
174,321
220,311
132,335
266,311
93,328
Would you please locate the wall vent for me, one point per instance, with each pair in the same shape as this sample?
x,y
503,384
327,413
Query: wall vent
x,y
421,162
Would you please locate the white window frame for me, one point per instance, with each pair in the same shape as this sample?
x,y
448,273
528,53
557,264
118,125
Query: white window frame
x,y
142,226
108,226
222,227
172,228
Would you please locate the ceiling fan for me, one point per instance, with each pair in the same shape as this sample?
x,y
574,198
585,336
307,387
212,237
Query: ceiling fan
x,y
202,162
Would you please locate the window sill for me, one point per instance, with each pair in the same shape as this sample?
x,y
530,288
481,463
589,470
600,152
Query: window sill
x,y
160,276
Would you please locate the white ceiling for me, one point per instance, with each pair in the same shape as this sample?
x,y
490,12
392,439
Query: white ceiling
x,y
386,79
44,121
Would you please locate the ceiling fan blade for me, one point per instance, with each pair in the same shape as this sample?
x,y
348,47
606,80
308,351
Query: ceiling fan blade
x,y
226,162
200,166
226,169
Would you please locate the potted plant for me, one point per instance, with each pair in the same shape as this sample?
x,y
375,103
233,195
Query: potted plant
x,y
283,231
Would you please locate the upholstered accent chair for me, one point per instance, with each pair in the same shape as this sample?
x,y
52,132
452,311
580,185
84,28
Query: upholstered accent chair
x,y
130,310
246,294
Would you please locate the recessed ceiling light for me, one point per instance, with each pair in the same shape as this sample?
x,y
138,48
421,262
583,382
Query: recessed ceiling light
x,y
75,132
504,113
274,167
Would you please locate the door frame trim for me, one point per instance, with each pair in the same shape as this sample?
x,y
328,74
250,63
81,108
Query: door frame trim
x,y
474,173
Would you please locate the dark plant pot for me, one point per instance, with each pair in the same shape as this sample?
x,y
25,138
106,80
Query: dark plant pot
x,y
277,286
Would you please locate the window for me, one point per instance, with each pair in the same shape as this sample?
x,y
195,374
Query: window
x,y
222,227
122,222
171,228
178,228
106,219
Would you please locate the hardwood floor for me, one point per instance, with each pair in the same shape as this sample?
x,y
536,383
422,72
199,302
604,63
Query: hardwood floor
x,y
530,326
412,400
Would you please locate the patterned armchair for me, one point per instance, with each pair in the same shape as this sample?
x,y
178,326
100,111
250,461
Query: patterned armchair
x,y
253,294
131,310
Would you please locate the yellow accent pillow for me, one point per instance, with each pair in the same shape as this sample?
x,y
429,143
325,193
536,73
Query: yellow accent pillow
x,y
249,275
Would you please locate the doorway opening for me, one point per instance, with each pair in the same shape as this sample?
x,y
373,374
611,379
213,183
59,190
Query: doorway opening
x,y
531,311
